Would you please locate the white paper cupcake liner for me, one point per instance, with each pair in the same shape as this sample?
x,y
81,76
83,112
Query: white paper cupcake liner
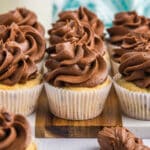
x,y
115,66
76,105
20,101
133,104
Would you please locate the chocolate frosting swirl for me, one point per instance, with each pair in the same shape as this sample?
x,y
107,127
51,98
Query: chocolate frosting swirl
x,y
15,133
132,42
71,65
119,138
126,22
26,38
81,27
15,67
135,67
21,16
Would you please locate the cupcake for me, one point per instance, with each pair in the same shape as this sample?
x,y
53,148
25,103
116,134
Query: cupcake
x,y
133,84
124,23
80,27
21,16
20,82
27,38
132,42
77,82
15,132
119,138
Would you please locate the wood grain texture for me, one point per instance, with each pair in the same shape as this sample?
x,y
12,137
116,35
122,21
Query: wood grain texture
x,y
49,126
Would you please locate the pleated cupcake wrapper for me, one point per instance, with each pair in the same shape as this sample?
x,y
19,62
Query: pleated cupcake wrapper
x,y
133,104
115,66
20,101
76,105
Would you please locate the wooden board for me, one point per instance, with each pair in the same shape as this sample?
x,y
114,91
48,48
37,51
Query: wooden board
x,y
49,126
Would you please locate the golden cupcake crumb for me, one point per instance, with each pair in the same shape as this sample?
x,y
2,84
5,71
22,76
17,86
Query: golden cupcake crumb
x,y
131,86
28,84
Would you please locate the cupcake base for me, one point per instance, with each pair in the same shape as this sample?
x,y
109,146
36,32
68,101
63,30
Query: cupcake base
x,y
77,103
134,104
20,101
21,98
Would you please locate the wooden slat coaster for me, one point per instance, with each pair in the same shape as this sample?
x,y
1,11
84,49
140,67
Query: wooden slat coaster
x,y
49,126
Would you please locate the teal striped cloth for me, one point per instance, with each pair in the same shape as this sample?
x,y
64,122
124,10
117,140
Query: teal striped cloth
x,y
105,9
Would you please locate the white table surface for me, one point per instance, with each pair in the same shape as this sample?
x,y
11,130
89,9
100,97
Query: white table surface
x,y
85,144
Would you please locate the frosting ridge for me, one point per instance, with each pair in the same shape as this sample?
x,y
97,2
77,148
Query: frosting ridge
x,y
119,138
21,16
126,22
15,132
135,67
70,65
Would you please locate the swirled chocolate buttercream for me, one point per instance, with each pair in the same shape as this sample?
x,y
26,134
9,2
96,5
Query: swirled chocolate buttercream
x,y
75,66
119,138
81,27
21,16
15,133
125,22
132,42
15,67
135,67
29,41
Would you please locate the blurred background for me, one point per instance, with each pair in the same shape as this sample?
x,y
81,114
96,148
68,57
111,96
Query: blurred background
x,y
43,8
47,10
105,9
